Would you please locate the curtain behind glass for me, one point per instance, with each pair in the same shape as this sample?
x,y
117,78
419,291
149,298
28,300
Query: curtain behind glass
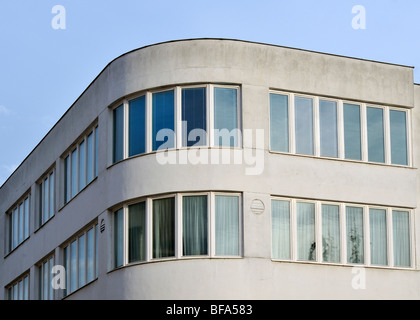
x,y
375,134
280,216
194,224
305,215
225,115
401,236
227,225
330,233
378,237
398,132
355,239
137,232
164,228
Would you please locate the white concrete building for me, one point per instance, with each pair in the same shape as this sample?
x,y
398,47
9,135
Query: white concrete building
x,y
289,174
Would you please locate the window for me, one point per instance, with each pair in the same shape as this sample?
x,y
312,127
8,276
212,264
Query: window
x,y
80,165
118,134
19,290
328,128
137,126
304,130
80,259
352,132
176,227
375,134
340,233
398,124
194,117
45,277
46,198
226,119
163,118
19,223
279,125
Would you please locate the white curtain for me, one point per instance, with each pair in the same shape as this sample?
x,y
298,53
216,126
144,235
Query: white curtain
x,y
227,225
355,239
330,233
378,237
401,235
164,228
137,232
194,221
305,216
280,215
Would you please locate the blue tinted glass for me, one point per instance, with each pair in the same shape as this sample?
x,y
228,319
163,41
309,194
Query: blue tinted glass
x,y
137,126
398,137
194,117
352,135
375,134
163,119
304,125
118,153
225,117
328,128
279,122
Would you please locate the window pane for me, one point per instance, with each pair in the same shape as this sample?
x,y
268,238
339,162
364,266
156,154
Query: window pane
x,y
67,179
137,232
96,151
21,222
401,236
226,117
304,125
119,238
305,215
45,281
163,115
137,126
82,166
194,221
164,228
89,158
330,233
26,288
21,290
328,128
73,266
66,260
15,292
82,261
355,239
194,117
378,237
51,197
26,227
96,251
50,289
280,215
46,200
352,133
90,263
15,228
398,137
375,134
74,173
279,122
227,225
118,134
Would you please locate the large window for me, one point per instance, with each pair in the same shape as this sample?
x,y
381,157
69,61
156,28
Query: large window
x,y
332,128
178,226
19,289
340,233
45,276
80,165
46,191
19,223
199,115
80,259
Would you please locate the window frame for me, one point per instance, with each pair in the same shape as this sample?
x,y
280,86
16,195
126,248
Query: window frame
x,y
10,288
25,227
40,199
41,277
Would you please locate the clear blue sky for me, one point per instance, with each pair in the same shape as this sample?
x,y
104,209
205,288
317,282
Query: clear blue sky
x,y
43,70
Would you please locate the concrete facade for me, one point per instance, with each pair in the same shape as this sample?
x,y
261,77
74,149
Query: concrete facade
x,y
256,69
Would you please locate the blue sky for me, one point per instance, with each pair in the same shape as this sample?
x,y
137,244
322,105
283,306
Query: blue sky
x,y
44,70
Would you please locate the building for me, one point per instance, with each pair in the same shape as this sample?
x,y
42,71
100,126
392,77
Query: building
x,y
288,174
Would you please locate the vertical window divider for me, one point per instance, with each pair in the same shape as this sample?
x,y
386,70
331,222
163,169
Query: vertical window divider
x,y
148,122
343,235
390,237
340,129
366,235
318,231
178,118
126,129
316,125
387,136
293,231
363,133
210,108
292,146
178,226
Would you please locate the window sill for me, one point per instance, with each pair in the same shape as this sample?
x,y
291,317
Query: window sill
x,y
84,188
17,247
